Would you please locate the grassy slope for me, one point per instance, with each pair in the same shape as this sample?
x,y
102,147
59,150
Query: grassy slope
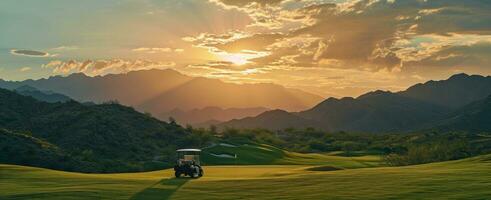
x,y
250,154
462,179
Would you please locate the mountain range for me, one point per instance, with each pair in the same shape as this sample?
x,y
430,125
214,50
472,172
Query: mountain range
x,y
456,102
162,91
202,102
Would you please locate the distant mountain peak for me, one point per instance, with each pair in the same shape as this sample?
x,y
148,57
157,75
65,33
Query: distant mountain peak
x,y
161,71
275,112
375,93
78,74
458,90
459,76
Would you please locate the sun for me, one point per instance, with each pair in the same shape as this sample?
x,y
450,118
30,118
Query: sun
x,y
236,58
240,58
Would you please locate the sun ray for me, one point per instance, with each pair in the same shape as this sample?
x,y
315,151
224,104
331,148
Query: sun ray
x,y
241,58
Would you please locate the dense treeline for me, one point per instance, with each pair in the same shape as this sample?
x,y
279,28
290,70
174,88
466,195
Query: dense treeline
x,y
397,149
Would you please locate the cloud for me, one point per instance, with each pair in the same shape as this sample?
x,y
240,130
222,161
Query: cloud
x,y
241,3
102,67
362,34
472,55
29,53
152,50
257,42
234,47
270,14
24,69
65,48
386,44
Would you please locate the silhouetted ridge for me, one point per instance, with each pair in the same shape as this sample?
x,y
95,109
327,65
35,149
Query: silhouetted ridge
x,y
384,111
160,91
375,93
459,76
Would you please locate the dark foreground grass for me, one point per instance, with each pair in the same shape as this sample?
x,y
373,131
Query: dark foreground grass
x,y
462,179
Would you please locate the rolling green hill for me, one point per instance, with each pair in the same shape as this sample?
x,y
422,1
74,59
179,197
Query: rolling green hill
x,y
262,154
461,179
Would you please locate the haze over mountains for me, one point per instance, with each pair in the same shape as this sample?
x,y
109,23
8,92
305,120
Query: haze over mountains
x,y
162,91
211,115
432,104
203,102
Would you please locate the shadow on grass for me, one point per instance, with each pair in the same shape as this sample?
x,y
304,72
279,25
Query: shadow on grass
x,y
161,190
323,168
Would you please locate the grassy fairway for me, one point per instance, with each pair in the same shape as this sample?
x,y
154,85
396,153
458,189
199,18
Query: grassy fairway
x,y
261,154
463,179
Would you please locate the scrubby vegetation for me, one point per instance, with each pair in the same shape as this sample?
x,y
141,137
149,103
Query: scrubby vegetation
x,y
397,149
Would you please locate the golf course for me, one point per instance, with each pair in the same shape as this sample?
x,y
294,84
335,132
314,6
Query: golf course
x,y
461,179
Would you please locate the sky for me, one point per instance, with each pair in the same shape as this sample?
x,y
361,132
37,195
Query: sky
x,y
327,47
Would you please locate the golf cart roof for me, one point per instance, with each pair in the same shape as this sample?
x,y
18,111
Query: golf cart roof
x,y
188,150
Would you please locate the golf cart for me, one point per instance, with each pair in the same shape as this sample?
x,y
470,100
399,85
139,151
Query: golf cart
x,y
188,163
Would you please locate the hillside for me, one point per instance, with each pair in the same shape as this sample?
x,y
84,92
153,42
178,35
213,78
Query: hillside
x,y
381,111
374,112
475,117
461,179
23,149
196,117
161,91
46,96
100,138
274,119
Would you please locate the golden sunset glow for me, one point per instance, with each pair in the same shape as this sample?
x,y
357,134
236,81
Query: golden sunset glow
x,y
236,59
331,48
242,58
245,99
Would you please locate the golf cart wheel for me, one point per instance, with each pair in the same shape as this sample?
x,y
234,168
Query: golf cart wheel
x,y
195,173
201,172
177,174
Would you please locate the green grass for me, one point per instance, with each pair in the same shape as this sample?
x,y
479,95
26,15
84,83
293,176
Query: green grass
x,y
262,154
462,179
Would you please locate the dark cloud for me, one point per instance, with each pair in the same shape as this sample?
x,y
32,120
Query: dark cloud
x,y
30,53
478,54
